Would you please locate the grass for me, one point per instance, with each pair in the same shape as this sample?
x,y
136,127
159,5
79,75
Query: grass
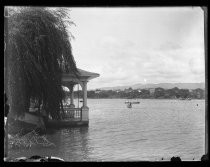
x,y
28,140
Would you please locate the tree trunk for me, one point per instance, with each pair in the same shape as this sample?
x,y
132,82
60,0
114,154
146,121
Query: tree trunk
x,y
17,96
16,92
62,110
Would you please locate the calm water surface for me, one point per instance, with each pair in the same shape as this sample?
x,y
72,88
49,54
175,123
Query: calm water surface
x,y
149,131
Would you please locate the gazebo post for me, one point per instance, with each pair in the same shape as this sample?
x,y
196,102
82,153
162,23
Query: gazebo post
x,y
84,88
82,79
84,109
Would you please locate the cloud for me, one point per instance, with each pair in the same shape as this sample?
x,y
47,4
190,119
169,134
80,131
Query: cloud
x,y
156,45
169,46
131,65
197,65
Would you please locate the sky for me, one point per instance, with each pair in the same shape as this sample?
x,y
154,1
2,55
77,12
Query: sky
x,y
127,46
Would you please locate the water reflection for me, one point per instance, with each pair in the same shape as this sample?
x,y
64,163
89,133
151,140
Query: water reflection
x,y
153,130
72,143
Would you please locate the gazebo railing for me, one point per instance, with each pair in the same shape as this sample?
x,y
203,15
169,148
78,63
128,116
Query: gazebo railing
x,y
70,113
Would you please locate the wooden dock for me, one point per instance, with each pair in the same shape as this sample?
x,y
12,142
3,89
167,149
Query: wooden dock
x,y
72,118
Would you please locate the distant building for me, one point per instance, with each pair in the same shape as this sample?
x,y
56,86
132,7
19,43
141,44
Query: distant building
x,y
190,90
151,91
128,90
118,90
97,91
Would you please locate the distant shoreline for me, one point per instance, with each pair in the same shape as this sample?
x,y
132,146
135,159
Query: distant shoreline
x,y
157,93
145,98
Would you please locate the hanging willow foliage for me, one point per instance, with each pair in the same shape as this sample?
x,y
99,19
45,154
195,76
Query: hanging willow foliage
x,y
39,51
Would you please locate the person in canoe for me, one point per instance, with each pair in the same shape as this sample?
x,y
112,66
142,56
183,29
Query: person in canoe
x,y
129,105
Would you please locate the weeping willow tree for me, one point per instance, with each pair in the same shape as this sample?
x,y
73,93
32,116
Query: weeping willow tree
x,y
39,51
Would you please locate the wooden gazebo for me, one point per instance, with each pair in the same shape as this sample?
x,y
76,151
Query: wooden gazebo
x,y
75,116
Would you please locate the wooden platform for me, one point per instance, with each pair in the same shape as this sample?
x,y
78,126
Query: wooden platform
x,y
72,118
66,123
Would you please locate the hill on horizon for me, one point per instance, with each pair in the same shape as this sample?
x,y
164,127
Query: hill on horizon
x,y
162,85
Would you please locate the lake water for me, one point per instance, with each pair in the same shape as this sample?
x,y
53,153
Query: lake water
x,y
148,131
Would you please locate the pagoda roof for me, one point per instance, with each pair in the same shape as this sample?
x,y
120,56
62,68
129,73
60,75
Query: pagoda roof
x,y
82,76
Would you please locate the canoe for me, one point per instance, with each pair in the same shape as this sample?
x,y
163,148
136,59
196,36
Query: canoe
x,y
135,102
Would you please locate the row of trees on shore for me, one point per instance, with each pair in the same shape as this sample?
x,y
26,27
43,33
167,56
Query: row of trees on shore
x,y
157,93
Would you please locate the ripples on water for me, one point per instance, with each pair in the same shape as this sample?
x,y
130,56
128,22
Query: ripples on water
x,y
149,131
